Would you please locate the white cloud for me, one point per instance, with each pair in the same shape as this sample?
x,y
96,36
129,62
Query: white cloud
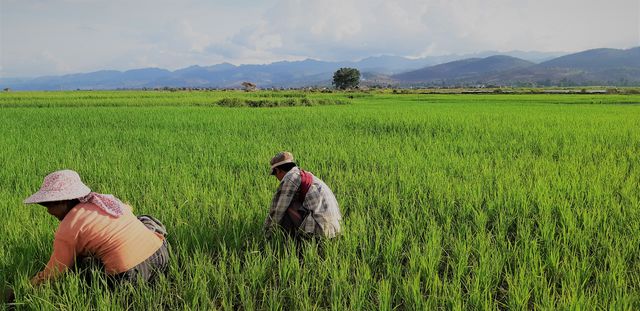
x,y
350,29
60,36
197,40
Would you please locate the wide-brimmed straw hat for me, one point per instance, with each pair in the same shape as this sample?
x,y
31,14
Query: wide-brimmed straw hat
x,y
59,186
281,158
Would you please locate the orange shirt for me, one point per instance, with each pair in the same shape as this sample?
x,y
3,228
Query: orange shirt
x,y
121,243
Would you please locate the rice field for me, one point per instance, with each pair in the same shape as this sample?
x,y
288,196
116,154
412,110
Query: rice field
x,y
455,202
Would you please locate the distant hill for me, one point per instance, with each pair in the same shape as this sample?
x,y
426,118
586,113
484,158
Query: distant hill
x,y
593,67
308,72
597,59
463,69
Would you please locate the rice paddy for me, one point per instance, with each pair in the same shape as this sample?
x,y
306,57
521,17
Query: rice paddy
x,y
449,201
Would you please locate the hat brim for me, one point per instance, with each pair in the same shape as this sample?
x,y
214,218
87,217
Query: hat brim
x,y
53,196
273,167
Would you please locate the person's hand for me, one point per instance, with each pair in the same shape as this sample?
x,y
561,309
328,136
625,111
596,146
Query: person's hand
x,y
9,296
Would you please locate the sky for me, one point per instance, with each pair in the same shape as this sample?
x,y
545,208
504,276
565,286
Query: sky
x,y
52,37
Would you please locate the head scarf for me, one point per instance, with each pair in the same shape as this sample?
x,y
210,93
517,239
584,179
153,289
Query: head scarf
x,y
106,202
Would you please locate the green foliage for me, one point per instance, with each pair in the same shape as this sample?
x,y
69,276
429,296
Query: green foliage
x,y
346,78
282,102
468,202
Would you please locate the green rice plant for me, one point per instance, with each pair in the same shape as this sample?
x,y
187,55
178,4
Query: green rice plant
x,y
510,201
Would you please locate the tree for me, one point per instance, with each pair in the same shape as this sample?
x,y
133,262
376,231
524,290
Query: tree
x,y
346,78
248,86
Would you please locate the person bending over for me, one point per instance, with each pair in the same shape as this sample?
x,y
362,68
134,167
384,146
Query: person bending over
x,y
99,227
303,206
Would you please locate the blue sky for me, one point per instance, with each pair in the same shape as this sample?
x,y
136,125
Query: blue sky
x,y
46,37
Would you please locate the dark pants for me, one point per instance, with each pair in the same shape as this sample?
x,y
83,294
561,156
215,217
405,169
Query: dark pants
x,y
289,227
300,237
148,270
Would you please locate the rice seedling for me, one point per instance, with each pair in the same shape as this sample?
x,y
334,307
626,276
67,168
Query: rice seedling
x,y
449,201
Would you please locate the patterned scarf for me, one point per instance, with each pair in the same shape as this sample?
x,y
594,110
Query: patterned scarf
x,y
108,203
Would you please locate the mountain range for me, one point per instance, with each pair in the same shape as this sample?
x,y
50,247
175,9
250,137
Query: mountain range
x,y
592,67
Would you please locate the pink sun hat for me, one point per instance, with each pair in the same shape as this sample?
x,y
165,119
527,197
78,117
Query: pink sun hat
x,y
59,186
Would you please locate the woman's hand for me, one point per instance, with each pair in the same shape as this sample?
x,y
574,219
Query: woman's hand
x,y
37,279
